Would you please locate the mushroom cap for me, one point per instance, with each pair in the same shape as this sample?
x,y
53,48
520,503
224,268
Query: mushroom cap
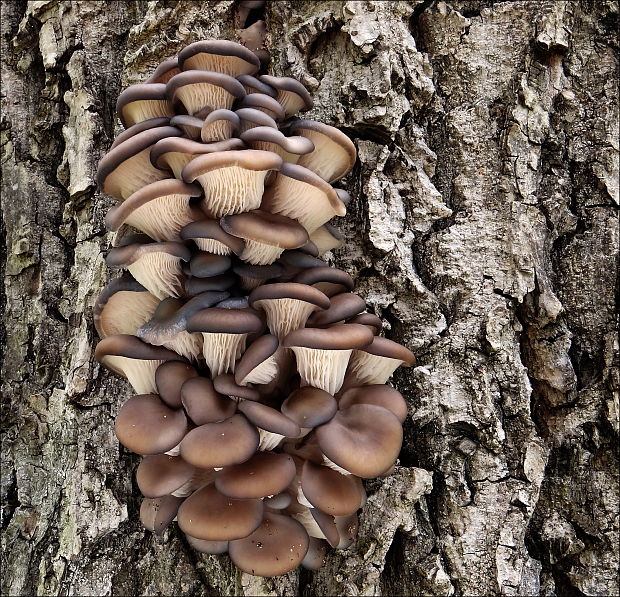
x,y
266,473
327,524
334,153
214,445
258,352
260,101
221,55
249,159
190,124
157,513
383,347
278,502
342,306
207,265
128,346
290,85
330,280
220,125
269,419
143,93
130,253
302,260
209,228
330,491
169,378
123,152
341,337
139,127
206,546
225,384
288,290
207,514
165,71
259,273
363,439
315,556
122,307
277,546
145,425
347,527
264,227
368,319
160,189
203,404
188,147
251,117
195,286
310,407
225,321
256,85
377,394
159,474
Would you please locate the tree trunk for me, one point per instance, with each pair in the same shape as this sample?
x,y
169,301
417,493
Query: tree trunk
x,y
483,230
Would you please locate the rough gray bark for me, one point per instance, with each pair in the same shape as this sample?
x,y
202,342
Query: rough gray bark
x,y
483,230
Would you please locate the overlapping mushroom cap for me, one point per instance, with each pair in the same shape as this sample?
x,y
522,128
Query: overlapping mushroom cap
x,y
257,442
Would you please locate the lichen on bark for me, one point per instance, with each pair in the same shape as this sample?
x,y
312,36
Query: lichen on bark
x,y
483,230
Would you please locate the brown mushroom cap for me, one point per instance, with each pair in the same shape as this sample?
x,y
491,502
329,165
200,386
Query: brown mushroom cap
x,y
159,209
315,556
363,439
343,337
377,394
122,307
334,153
266,473
329,491
142,102
169,378
139,127
195,286
326,238
256,354
269,419
266,235
206,546
219,55
328,280
252,276
279,501
309,407
293,96
209,236
145,425
384,347
165,71
347,527
198,90
277,546
251,117
157,513
375,363
128,356
264,103
225,321
207,265
127,167
203,404
253,85
207,514
225,384
342,306
214,445
159,474
370,320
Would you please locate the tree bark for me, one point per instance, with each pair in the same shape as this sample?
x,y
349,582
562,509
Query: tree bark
x,y
483,230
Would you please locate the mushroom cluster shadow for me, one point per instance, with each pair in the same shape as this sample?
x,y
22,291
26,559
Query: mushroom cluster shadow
x,y
261,399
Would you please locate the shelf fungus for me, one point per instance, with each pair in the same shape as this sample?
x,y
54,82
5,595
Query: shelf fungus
x,y
260,376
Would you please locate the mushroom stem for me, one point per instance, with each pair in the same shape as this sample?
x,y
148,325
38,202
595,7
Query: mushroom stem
x,y
222,350
258,253
140,373
322,369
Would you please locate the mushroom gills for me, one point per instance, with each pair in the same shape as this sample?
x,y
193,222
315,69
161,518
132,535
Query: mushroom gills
x,y
221,351
210,245
162,218
137,172
286,314
186,344
263,373
323,369
160,273
127,312
140,373
258,253
331,464
368,369
268,440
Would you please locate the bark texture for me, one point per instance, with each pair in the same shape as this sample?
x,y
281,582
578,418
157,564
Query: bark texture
x,y
483,230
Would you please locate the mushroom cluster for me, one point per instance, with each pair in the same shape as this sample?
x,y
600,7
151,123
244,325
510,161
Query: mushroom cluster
x,y
260,377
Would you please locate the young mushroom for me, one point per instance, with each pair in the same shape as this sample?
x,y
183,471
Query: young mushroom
x,y
219,55
142,102
291,94
210,237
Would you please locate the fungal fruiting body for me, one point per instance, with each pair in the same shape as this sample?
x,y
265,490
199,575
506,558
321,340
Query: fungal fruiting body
x,y
260,377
